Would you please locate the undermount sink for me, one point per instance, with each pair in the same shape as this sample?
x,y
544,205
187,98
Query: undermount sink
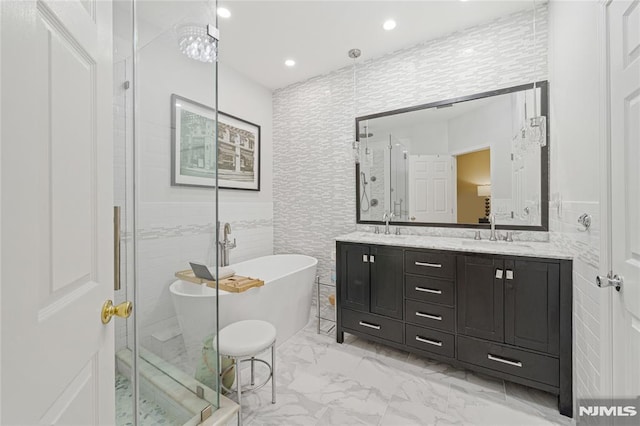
x,y
493,244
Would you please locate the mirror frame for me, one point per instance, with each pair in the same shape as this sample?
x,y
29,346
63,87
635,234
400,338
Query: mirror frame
x,y
544,160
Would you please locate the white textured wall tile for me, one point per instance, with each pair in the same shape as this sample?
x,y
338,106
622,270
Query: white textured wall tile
x,y
314,120
575,147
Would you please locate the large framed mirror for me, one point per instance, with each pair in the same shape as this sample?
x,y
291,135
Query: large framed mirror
x,y
455,162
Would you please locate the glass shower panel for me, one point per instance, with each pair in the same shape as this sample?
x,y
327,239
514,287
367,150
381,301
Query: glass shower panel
x,y
165,142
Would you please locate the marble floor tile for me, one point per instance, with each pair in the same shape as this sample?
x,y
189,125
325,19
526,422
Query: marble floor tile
x,y
321,382
151,413
364,383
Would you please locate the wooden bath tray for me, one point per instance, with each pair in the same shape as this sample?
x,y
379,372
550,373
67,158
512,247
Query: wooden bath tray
x,y
234,284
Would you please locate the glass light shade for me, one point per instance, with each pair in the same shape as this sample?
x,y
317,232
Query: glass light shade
x,y
484,190
195,43
356,151
538,130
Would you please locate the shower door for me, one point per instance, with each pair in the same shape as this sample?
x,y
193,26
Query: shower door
x,y
165,145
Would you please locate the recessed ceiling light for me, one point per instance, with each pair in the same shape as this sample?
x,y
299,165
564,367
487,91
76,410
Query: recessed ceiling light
x,y
389,25
289,62
223,12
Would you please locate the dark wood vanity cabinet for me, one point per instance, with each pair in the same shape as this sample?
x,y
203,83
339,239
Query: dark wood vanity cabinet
x,y
510,301
501,315
371,290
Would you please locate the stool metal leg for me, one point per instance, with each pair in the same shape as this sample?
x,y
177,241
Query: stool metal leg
x,y
253,376
239,387
273,373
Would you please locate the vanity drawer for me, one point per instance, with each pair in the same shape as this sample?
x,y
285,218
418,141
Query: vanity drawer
x,y
373,325
528,365
429,263
434,316
429,340
429,289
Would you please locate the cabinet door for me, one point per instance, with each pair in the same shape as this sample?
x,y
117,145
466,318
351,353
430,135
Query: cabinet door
x,y
386,276
353,274
532,311
480,297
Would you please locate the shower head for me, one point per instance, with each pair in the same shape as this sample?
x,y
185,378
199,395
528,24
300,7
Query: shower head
x,y
366,133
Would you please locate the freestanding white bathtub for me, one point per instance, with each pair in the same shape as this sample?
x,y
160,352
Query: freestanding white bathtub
x,y
284,300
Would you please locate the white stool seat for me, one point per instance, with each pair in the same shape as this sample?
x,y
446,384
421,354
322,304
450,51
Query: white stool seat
x,y
246,338
242,341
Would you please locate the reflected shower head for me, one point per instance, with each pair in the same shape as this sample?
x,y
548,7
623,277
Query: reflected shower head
x,y
366,133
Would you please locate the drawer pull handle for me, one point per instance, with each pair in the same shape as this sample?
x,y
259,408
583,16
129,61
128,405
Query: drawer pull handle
x,y
433,317
428,290
366,324
430,265
504,361
431,342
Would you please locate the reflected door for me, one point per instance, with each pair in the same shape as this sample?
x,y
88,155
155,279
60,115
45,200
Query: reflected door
x,y
431,183
57,212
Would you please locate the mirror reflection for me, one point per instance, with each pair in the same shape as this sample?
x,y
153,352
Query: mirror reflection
x,y
457,162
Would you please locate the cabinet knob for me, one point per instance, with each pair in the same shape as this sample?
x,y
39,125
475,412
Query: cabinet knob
x,y
365,258
499,273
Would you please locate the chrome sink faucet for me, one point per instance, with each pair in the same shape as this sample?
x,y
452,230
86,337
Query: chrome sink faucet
x,y
387,217
492,221
226,245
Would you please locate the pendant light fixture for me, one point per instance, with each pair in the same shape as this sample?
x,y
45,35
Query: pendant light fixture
x,y
355,54
536,134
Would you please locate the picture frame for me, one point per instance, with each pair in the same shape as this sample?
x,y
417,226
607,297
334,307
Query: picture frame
x,y
194,156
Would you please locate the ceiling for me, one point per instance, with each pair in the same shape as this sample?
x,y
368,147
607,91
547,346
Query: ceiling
x,y
260,35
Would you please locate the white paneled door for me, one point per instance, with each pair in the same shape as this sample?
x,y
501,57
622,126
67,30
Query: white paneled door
x,y
623,27
431,189
56,212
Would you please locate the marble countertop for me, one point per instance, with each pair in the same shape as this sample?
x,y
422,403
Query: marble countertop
x,y
516,248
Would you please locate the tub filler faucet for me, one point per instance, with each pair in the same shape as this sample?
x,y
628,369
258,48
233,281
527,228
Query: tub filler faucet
x,y
226,245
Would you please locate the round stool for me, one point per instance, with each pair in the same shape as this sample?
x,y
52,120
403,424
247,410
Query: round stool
x,y
242,341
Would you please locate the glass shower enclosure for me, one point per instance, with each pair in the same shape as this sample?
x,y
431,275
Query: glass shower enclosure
x,y
165,163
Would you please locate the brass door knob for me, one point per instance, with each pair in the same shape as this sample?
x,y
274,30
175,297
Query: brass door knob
x,y
122,310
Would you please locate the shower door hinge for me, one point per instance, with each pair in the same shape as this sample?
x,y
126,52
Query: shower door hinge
x,y
206,413
213,32
126,85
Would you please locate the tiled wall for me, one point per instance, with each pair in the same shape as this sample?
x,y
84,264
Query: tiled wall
x,y
576,124
314,120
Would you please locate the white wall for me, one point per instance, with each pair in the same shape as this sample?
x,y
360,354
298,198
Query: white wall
x,y
250,213
576,124
313,120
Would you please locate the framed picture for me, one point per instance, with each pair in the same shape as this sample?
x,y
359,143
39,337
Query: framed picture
x,y
194,156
